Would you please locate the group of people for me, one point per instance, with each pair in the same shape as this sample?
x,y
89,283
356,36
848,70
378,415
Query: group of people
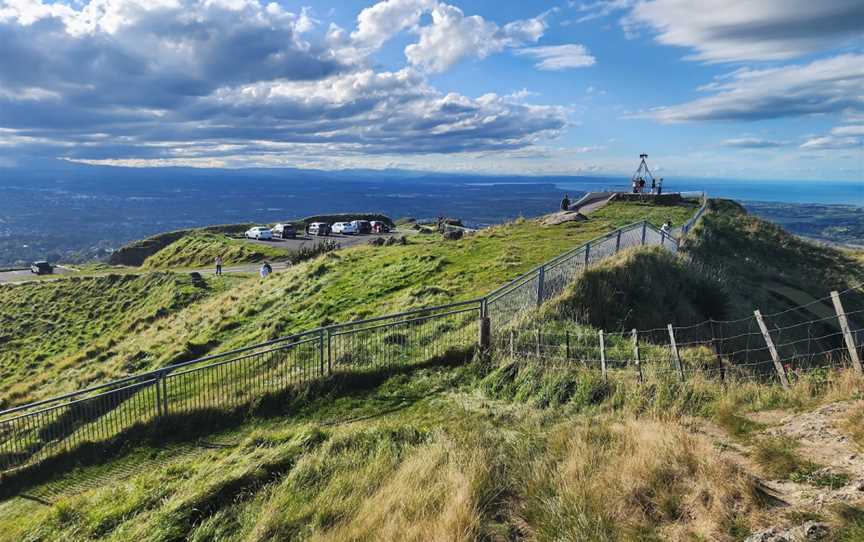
x,y
265,269
639,186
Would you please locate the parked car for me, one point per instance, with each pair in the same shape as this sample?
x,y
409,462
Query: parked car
x,y
379,227
284,231
319,228
345,228
41,268
259,232
363,226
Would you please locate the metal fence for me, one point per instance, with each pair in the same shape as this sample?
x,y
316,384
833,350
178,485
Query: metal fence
x,y
36,431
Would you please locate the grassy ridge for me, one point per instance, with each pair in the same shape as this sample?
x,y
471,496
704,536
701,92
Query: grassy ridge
x,y
201,249
49,329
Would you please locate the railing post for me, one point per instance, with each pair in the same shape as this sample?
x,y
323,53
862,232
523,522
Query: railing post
x,y
587,253
329,353
541,275
675,357
537,345
644,230
512,345
847,333
636,356
321,352
618,241
159,412
485,335
164,380
603,355
775,357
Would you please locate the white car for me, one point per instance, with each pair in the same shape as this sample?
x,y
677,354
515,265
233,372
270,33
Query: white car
x,y
259,232
345,228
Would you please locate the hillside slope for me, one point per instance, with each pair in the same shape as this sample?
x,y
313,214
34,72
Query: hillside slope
x,y
498,449
358,282
50,328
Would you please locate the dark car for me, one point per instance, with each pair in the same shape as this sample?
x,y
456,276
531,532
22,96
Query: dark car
x,y
284,231
318,228
42,268
363,226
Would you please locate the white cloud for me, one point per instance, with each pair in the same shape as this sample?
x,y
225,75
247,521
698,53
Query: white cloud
x,y
752,143
840,137
830,85
139,79
559,57
452,36
380,22
737,30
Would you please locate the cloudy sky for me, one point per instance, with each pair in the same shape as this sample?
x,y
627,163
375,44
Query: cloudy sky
x,y
723,88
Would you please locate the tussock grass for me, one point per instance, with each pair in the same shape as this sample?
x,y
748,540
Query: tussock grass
x,y
201,249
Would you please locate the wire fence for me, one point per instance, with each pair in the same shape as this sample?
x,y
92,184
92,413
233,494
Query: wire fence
x,y
33,432
775,351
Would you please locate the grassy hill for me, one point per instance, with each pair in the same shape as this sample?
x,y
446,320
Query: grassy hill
x,y
50,329
200,250
498,449
357,282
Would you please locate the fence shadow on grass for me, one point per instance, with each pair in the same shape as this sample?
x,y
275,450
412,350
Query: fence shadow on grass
x,y
192,427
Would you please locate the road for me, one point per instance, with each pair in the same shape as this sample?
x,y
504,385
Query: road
x,y
20,276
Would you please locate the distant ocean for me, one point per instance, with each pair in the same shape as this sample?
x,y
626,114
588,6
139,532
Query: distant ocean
x,y
825,192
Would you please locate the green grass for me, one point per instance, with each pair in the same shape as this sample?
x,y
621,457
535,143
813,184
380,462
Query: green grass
x,y
357,282
50,329
200,250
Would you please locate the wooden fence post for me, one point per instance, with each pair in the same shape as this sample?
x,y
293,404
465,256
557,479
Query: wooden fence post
x,y
603,355
781,372
636,355
537,345
567,344
512,345
541,278
485,338
847,334
675,357
618,241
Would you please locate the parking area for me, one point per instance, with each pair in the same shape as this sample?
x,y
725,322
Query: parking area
x,y
308,240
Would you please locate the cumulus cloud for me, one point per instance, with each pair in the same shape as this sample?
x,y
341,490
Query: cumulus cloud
x,y
830,85
740,30
452,36
139,80
559,57
752,143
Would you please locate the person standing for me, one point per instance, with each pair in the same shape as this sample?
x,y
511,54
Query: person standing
x,y
565,203
265,270
219,265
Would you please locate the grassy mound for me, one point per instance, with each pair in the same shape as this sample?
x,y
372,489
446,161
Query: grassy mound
x,y
49,329
641,288
201,249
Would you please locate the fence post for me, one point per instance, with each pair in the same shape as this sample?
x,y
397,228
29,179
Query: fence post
x,y
644,230
636,356
602,355
329,353
485,338
512,345
540,279
847,334
618,241
164,380
567,344
674,347
781,372
587,253
321,352
537,346
159,412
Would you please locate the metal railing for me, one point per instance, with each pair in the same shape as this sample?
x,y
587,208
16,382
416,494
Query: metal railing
x,y
33,432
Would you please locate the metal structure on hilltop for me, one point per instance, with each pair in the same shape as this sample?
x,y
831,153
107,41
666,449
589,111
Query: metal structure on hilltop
x,y
642,172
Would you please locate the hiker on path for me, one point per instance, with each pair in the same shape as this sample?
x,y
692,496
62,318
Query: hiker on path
x,y
565,203
265,270
660,186
666,228
653,186
219,266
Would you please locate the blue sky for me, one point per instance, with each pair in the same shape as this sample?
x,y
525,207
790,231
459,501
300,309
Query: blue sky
x,y
771,89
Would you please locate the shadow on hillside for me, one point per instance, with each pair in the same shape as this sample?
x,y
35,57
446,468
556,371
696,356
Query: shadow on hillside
x,y
184,433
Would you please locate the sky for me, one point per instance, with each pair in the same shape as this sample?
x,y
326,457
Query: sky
x,y
772,89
